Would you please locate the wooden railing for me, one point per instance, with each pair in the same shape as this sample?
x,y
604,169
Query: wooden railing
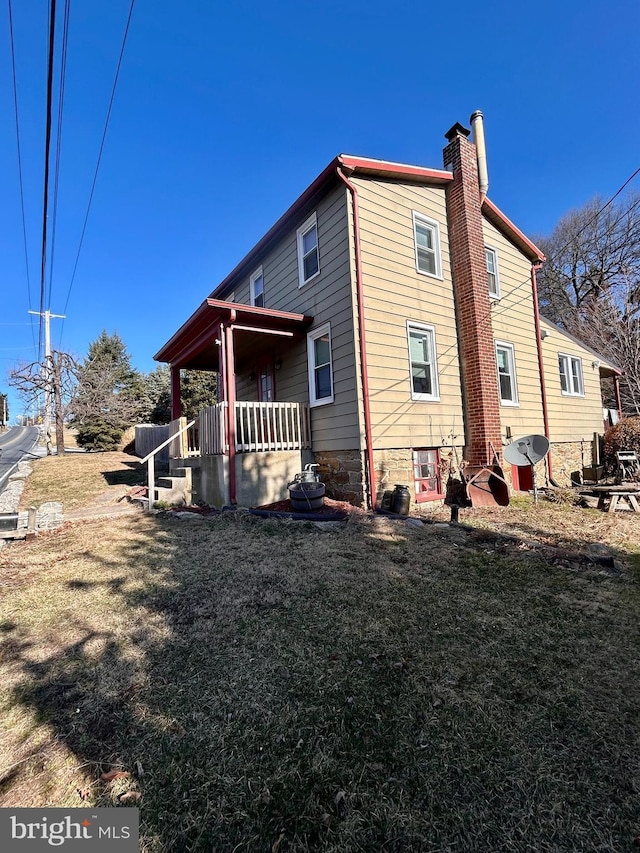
x,y
272,426
259,427
187,443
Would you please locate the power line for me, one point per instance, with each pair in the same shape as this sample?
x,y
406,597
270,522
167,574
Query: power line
x,y
95,176
47,146
17,122
63,70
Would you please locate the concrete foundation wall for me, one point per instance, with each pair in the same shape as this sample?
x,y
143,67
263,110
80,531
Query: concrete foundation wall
x,y
261,478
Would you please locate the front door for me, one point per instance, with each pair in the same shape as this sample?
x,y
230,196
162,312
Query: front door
x,y
266,383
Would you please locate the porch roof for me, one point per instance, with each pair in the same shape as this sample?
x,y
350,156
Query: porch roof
x,y
194,346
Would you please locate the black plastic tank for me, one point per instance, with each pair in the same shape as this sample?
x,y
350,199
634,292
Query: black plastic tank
x,y
401,502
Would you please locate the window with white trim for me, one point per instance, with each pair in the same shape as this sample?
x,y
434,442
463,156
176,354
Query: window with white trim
x,y
308,256
571,381
427,243
422,361
256,286
493,280
506,363
320,366
427,475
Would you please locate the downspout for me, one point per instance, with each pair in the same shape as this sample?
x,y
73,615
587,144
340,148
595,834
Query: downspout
x,y
361,333
543,388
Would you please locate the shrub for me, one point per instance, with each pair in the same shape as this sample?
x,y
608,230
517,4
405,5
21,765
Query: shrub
x,y
98,435
625,435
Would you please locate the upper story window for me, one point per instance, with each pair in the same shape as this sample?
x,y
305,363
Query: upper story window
x,y
506,363
571,375
422,359
308,257
256,285
493,280
320,367
427,241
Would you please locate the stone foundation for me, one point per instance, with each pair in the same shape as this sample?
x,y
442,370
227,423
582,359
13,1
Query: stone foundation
x,y
342,472
567,457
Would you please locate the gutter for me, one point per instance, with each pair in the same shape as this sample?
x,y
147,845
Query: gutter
x,y
543,389
370,480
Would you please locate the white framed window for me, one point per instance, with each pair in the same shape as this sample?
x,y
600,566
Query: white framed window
x,y
422,361
493,279
571,381
308,256
506,363
427,242
256,286
320,366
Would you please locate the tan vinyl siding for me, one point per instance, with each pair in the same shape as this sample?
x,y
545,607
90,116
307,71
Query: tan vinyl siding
x,y
571,418
394,293
512,319
328,299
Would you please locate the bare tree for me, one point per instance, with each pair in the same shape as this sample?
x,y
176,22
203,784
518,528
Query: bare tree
x,y
592,252
58,378
612,322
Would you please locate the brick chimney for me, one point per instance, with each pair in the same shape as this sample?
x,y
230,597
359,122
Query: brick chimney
x,y
471,291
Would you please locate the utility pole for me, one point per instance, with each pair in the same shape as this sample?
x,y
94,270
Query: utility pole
x,y
47,371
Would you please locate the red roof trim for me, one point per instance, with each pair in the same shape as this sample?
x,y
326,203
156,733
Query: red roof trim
x,y
502,222
193,334
389,168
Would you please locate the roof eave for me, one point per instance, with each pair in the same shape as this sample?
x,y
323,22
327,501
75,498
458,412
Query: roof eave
x,y
504,224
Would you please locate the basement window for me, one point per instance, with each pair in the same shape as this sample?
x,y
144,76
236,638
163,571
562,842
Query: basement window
x,y
427,475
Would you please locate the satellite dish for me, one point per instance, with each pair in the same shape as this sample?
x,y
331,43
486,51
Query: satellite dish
x,y
526,450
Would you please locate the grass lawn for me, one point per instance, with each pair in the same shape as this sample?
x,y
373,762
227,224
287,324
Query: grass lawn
x,y
263,685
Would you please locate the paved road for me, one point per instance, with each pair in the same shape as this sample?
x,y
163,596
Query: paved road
x,y
16,443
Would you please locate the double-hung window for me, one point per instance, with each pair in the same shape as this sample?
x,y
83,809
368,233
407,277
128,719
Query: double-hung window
x,y
422,361
571,375
320,366
493,280
506,363
427,245
308,257
256,284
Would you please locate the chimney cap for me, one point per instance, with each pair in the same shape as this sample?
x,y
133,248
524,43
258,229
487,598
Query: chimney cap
x,y
457,130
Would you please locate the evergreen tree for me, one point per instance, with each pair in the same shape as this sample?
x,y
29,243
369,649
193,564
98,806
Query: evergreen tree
x,y
110,394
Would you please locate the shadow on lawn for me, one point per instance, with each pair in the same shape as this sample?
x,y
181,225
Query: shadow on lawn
x,y
347,691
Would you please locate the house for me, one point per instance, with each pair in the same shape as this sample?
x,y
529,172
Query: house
x,y
386,323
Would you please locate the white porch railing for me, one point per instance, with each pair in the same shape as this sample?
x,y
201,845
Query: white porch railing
x,y
272,426
259,427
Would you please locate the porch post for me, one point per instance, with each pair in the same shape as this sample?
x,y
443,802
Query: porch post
x,y
230,394
176,402
616,385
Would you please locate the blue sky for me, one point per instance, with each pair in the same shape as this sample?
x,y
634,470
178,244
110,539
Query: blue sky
x,y
225,112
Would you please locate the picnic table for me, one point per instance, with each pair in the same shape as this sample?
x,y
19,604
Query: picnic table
x,y
624,495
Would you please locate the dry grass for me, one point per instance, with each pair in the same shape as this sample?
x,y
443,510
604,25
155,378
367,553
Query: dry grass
x,y
374,687
77,479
